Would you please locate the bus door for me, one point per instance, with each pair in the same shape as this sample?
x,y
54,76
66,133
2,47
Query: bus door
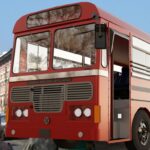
x,y
120,109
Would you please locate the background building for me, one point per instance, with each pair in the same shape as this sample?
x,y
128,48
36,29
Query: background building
x,y
4,78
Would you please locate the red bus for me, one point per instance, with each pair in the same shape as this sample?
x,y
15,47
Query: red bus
x,y
79,74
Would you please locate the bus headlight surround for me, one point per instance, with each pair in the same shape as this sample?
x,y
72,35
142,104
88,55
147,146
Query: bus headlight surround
x,y
78,112
87,112
18,113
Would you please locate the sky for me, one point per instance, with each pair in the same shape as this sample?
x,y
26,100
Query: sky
x,y
135,12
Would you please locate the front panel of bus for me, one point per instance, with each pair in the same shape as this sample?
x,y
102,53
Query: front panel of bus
x,y
54,85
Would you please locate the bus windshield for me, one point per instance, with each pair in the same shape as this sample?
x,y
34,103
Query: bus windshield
x,y
74,47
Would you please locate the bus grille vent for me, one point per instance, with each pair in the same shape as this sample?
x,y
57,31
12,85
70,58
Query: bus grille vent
x,y
48,98
21,94
79,91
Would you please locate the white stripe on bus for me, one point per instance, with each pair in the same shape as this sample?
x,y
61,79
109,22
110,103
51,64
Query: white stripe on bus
x,y
82,73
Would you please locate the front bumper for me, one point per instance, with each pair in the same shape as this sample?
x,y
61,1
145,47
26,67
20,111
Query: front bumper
x,y
67,131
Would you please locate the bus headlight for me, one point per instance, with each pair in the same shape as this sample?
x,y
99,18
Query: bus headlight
x,y
26,113
18,113
87,112
78,112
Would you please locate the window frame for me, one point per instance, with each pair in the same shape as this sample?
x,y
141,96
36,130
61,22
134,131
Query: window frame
x,y
28,34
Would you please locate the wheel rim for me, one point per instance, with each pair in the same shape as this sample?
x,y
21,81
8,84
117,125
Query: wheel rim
x,y
143,133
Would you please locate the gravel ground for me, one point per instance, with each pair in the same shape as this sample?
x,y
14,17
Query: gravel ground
x,y
17,144
21,144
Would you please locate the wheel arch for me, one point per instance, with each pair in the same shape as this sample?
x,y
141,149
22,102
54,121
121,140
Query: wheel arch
x,y
143,109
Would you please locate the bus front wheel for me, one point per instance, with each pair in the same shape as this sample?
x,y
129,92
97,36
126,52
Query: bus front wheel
x,y
140,132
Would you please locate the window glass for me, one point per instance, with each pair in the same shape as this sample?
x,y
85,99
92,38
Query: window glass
x,y
117,68
147,60
64,14
138,56
54,16
104,58
74,47
17,56
37,19
32,53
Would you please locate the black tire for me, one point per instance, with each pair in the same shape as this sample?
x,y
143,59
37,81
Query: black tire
x,y
130,146
140,132
68,144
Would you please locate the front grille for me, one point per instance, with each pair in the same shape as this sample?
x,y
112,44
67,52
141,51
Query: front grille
x,y
50,98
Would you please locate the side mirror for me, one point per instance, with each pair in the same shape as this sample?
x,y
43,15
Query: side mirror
x,y
100,36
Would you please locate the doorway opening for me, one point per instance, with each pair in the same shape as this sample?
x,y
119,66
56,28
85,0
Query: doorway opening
x,y
120,88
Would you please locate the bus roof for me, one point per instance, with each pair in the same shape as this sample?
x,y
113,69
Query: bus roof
x,y
88,10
